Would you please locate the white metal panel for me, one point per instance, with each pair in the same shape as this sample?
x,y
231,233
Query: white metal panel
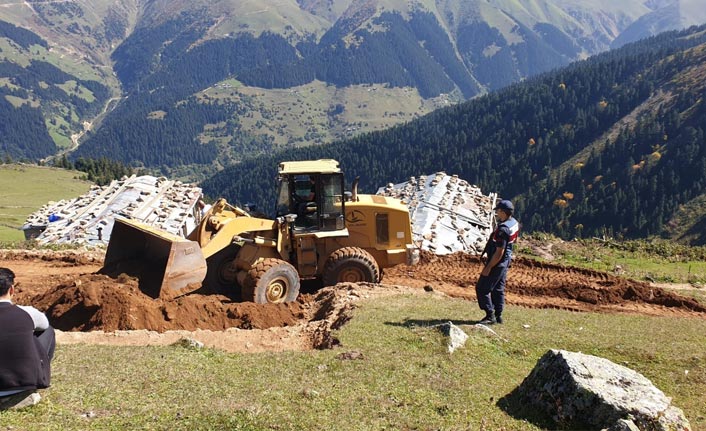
x,y
448,214
167,205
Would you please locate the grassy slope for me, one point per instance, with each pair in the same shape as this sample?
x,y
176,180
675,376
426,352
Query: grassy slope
x,y
659,260
598,19
24,189
56,114
684,223
68,52
72,45
254,16
67,60
301,114
406,380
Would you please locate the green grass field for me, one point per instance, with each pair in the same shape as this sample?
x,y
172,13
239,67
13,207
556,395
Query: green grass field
x,y
406,379
24,189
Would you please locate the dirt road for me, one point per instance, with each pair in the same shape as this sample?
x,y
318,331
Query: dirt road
x,y
91,308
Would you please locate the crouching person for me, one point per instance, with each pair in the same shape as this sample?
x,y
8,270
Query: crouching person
x,y
26,348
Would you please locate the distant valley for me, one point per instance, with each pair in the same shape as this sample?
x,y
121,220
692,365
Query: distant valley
x,y
192,87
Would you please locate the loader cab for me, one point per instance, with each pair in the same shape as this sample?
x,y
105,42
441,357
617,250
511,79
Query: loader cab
x,y
315,197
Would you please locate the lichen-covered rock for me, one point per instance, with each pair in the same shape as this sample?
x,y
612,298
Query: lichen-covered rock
x,y
457,338
623,425
589,392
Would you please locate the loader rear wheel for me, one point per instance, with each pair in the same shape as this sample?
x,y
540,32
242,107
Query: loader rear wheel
x,y
271,281
220,277
352,265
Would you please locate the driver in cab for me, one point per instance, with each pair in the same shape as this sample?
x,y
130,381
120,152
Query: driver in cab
x,y
305,201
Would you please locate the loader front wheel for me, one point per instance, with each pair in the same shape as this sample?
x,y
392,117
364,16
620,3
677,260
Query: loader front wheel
x,y
220,277
352,265
271,281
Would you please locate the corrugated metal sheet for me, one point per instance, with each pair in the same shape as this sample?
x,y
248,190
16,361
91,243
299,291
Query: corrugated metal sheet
x,y
88,219
448,214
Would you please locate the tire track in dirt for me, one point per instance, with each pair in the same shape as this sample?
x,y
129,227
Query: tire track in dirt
x,y
547,285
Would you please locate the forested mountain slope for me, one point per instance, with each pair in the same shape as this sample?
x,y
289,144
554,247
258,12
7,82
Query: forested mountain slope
x,y
41,104
614,144
203,82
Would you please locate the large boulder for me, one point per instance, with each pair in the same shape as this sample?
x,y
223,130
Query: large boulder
x,y
587,392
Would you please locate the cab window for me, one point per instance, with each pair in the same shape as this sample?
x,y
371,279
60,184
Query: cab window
x,y
331,202
283,204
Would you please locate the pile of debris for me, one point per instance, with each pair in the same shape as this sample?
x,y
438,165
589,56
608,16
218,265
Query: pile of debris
x,y
88,219
448,214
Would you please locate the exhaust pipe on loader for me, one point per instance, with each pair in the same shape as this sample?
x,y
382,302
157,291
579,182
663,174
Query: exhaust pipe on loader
x,y
166,265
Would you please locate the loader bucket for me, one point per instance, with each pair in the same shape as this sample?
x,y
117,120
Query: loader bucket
x,y
165,264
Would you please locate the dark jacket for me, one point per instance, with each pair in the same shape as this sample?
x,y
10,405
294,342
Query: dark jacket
x,y
23,363
504,236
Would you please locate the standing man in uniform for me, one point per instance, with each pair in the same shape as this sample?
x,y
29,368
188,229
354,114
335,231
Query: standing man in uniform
x,y
26,348
490,288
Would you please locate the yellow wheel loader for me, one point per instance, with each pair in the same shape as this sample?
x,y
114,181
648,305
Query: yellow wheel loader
x,y
319,232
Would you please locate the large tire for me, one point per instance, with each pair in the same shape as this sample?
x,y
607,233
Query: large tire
x,y
350,264
271,281
219,277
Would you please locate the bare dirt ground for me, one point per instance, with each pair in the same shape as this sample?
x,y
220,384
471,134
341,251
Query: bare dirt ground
x,y
86,307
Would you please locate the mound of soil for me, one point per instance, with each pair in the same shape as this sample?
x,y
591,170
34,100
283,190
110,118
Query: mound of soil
x,y
59,257
98,302
545,279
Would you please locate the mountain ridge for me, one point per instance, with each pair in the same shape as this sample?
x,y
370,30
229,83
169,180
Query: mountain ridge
x,y
520,40
526,143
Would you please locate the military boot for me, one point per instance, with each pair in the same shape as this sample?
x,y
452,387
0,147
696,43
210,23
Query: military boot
x,y
489,318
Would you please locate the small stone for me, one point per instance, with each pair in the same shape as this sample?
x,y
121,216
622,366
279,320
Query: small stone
x,y
189,343
20,400
350,356
310,393
457,338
